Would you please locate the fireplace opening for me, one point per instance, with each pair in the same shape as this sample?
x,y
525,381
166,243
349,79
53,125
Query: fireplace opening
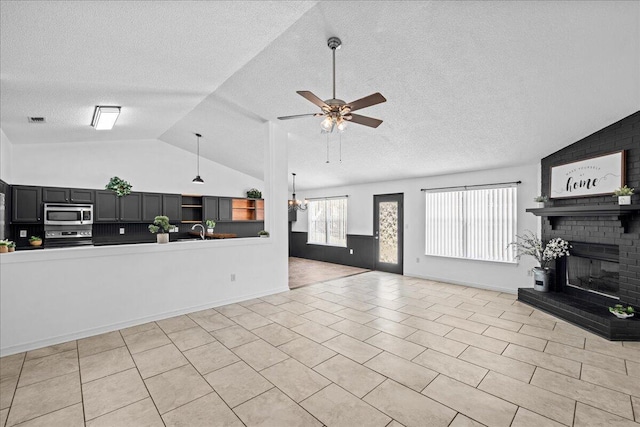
x,y
594,268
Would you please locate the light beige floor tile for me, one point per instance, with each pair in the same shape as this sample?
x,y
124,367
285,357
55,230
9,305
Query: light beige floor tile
x,y
612,348
566,339
237,383
633,369
322,317
7,388
395,345
276,299
415,303
113,392
356,315
146,340
336,407
105,363
275,334
251,320
233,336
476,404
52,349
388,314
494,362
140,414
3,416
71,416
274,408
450,311
544,360
174,388
516,338
287,319
478,307
452,367
354,329
138,328
585,356
588,416
328,296
350,375
582,391
419,312
481,341
391,327
635,402
295,307
306,351
526,418
187,339
356,305
524,311
99,343
260,354
402,371
467,325
211,320
611,380
10,366
494,321
264,308
295,379
352,348
409,407
44,368
328,306
232,310
541,401
209,357
568,328
158,360
428,326
316,332
175,324
385,303
202,412
462,421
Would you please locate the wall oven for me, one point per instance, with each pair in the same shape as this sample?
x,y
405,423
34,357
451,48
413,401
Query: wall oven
x,y
68,225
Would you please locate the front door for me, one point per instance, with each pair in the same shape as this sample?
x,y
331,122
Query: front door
x,y
387,232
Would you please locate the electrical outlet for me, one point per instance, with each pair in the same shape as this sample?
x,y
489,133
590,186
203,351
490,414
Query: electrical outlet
x,y
122,230
23,233
418,260
233,277
350,251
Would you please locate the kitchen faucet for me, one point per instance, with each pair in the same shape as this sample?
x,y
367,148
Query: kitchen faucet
x,y
201,232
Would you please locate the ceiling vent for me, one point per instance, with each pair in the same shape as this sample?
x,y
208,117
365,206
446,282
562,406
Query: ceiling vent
x,y
37,120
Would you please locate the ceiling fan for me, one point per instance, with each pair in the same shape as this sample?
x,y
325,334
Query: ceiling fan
x,y
336,112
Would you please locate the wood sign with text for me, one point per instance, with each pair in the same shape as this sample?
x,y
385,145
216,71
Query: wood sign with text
x,y
591,177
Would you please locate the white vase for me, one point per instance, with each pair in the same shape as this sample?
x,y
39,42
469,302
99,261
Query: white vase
x,y
624,200
210,230
541,204
162,237
541,279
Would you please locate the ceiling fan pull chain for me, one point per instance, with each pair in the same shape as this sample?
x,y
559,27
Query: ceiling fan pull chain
x,y
341,147
327,148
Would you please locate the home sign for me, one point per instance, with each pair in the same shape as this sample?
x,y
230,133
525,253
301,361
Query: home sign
x,y
591,177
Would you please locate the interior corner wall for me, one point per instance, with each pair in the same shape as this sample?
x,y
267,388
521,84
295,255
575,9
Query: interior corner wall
x,y
149,165
491,275
6,156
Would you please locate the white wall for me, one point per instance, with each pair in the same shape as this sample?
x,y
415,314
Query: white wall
x,y
499,276
6,155
149,165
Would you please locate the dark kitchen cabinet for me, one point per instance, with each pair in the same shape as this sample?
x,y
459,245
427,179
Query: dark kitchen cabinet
x,y
131,207
224,209
151,206
210,208
107,208
172,206
78,195
27,204
55,195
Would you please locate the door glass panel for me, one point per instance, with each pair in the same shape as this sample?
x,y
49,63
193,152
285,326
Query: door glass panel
x,y
388,232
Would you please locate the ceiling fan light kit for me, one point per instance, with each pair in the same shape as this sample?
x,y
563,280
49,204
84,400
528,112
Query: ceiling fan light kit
x,y
337,113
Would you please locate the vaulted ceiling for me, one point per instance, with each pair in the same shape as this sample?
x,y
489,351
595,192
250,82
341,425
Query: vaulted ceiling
x,y
470,85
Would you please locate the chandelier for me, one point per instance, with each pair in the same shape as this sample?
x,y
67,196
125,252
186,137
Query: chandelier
x,y
295,204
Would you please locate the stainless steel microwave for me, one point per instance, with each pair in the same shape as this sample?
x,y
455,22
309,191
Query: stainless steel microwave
x,y
68,214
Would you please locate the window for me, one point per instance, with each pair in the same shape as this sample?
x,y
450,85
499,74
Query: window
x,y
327,221
472,224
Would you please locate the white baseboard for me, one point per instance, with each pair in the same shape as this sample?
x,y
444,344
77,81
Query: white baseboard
x,y
462,283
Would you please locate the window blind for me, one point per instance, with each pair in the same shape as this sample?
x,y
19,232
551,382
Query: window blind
x,y
327,221
473,224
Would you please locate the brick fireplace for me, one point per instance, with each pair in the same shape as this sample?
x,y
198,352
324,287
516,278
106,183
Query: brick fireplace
x,y
605,239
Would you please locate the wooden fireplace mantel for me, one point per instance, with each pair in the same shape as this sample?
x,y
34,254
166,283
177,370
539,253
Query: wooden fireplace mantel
x,y
621,212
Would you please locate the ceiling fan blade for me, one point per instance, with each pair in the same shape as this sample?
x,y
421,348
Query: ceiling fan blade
x,y
297,116
311,97
367,101
364,120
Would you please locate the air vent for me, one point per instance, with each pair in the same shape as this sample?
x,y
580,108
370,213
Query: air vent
x,y
37,120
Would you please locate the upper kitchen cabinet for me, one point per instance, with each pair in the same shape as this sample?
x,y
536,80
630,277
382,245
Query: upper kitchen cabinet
x,y
247,210
27,204
67,195
210,208
131,207
107,208
79,195
172,206
224,209
151,206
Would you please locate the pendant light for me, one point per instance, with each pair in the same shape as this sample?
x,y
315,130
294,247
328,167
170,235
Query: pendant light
x,y
295,204
197,179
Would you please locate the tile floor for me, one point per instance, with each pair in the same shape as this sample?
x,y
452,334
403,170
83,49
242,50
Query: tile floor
x,y
372,349
305,271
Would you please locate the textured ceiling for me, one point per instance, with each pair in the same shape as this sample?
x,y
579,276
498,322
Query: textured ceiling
x,y
470,85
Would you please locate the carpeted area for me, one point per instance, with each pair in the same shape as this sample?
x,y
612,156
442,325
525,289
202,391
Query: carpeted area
x,y
305,271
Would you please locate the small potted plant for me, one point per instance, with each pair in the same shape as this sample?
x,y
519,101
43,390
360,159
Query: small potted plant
x,y
161,226
11,246
35,241
541,200
263,233
119,186
254,193
211,224
624,195
622,312
4,246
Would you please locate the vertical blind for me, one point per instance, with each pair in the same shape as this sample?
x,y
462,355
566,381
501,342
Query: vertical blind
x,y
327,222
473,224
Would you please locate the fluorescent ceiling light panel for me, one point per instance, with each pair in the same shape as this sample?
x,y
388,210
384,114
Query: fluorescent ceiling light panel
x,y
105,117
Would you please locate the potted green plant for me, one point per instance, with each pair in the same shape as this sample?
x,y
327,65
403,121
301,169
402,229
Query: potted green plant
x,y
531,245
263,233
4,246
541,200
211,224
35,241
161,226
624,195
622,312
254,193
119,186
11,246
